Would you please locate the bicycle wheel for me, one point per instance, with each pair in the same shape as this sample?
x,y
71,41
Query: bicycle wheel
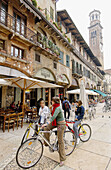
x,y
69,142
29,153
84,132
25,136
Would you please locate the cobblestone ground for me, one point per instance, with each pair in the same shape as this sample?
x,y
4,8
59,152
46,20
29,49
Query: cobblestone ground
x,y
44,164
92,155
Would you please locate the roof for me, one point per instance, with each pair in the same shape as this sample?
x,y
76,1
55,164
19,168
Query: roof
x,y
65,17
94,11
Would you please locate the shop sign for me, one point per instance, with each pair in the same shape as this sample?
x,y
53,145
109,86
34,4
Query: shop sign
x,y
45,74
62,78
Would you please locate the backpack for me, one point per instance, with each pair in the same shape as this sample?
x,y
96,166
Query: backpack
x,y
66,104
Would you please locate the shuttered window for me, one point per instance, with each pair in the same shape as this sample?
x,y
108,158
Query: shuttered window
x,y
67,61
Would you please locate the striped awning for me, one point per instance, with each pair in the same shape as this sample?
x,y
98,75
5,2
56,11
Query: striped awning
x,y
100,92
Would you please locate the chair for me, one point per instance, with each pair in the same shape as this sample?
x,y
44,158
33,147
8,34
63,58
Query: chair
x,y
10,121
19,120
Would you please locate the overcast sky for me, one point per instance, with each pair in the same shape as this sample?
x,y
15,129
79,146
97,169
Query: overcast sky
x,y
79,11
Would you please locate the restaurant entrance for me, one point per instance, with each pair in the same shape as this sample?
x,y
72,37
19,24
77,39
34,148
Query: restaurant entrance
x,y
0,97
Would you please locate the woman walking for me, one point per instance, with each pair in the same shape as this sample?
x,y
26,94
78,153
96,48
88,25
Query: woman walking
x,y
58,121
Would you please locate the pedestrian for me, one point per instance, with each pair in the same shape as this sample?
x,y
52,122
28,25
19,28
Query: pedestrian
x,y
79,114
58,121
66,107
43,112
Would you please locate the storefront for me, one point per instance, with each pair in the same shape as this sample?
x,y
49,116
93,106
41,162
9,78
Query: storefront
x,y
63,81
47,93
9,94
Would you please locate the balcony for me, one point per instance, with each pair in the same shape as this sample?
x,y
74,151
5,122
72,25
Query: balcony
x,y
18,30
77,72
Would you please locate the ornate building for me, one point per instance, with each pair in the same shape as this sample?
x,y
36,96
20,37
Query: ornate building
x,y
39,42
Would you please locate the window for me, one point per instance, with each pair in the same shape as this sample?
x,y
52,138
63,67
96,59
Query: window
x,y
17,52
84,71
37,57
80,68
19,22
2,44
51,13
67,61
55,65
73,66
61,57
83,53
3,11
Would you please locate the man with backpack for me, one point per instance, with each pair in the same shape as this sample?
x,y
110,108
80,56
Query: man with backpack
x,y
66,107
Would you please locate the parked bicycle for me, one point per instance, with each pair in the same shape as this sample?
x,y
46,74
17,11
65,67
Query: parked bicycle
x,y
106,108
31,150
84,130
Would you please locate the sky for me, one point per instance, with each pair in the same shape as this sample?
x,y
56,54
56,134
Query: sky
x,y
79,11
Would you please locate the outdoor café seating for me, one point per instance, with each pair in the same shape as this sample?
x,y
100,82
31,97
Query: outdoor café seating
x,y
8,120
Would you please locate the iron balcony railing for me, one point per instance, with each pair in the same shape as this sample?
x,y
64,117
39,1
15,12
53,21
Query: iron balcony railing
x,y
20,28
17,26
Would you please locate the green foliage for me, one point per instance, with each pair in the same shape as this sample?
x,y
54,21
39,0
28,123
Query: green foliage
x,y
34,3
69,40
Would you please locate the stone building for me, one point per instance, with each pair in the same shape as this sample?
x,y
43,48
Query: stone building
x,y
95,36
39,42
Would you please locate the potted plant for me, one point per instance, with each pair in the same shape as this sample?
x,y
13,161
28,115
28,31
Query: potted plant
x,y
68,39
40,8
34,2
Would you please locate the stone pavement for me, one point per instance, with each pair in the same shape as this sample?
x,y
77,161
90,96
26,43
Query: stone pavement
x,y
92,155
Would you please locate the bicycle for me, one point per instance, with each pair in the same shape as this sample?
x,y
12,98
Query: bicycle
x,y
84,130
106,108
31,150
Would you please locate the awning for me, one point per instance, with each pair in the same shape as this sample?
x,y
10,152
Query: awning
x,y
100,92
77,91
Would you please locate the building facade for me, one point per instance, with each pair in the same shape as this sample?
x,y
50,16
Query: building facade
x,y
39,42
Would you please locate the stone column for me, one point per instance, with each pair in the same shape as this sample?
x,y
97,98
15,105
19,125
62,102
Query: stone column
x,y
4,96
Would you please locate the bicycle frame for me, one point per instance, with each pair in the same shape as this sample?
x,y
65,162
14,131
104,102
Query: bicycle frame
x,y
39,133
72,122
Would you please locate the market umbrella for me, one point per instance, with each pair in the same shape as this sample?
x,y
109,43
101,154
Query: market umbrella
x,y
77,91
83,96
26,83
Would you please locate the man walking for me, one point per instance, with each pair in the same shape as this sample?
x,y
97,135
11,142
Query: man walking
x,y
66,107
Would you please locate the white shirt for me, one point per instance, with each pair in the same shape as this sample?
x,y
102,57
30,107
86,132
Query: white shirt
x,y
43,113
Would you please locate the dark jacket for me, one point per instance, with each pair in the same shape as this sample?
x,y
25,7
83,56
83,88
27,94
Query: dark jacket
x,y
80,112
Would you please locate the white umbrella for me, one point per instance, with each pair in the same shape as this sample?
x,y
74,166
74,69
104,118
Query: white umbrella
x,y
77,91
83,96
26,83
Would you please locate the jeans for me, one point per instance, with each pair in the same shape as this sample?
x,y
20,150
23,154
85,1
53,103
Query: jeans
x,y
60,133
75,128
67,111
